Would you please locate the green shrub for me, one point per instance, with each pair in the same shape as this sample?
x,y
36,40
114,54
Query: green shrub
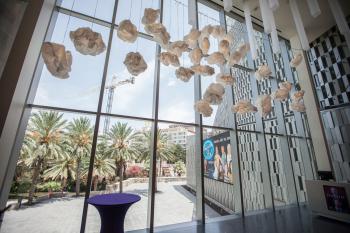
x,y
20,186
179,168
51,185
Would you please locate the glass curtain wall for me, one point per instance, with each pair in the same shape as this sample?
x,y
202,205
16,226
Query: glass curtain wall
x,y
95,132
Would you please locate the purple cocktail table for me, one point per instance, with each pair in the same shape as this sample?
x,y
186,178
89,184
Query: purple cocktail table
x,y
112,209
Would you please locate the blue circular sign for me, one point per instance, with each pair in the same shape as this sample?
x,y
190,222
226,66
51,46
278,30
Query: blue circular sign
x,y
208,149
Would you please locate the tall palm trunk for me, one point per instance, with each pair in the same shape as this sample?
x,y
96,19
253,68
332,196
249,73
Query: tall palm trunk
x,y
121,176
64,184
160,168
95,183
36,172
77,179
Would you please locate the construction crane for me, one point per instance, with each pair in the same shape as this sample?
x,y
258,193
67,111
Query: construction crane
x,y
110,94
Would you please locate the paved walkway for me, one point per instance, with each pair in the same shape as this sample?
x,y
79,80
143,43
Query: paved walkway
x,y
173,205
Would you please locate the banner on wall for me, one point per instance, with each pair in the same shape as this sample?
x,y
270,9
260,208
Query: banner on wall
x,y
218,158
336,199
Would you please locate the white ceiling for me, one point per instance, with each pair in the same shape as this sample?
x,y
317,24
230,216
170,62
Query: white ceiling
x,y
314,27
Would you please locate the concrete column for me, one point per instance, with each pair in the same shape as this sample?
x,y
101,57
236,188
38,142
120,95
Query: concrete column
x,y
312,111
18,73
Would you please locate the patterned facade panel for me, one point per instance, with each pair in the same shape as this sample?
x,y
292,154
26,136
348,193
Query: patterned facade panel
x,y
264,86
291,127
278,179
298,167
329,60
337,130
252,185
242,90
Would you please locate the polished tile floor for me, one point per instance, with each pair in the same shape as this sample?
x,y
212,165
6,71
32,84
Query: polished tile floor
x,y
286,220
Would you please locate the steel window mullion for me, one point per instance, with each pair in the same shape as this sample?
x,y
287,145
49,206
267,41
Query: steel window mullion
x,y
199,167
153,159
97,120
236,161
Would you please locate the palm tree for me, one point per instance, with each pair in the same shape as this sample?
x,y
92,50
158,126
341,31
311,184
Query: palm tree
x,y
27,147
179,153
80,139
122,146
103,165
164,149
45,128
61,169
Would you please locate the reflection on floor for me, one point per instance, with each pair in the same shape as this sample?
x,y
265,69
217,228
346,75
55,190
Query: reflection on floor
x,y
286,220
173,204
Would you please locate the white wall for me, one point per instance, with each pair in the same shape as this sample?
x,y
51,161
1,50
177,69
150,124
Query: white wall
x,y
312,112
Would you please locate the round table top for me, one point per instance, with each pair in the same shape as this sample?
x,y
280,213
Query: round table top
x,y
114,199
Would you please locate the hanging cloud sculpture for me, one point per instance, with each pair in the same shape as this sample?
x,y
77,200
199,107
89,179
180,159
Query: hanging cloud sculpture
x,y
203,70
216,58
203,107
263,72
87,42
167,59
184,74
135,63
225,79
58,61
244,106
178,47
214,93
263,104
196,56
296,60
159,32
127,31
192,38
282,92
150,16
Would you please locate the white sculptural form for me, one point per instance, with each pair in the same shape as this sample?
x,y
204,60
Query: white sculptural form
x,y
263,72
196,56
167,59
150,16
282,92
87,42
58,61
203,107
244,106
225,79
184,74
203,70
214,93
135,63
263,104
127,31
216,58
296,60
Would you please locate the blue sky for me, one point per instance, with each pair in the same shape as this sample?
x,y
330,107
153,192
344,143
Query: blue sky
x,y
81,90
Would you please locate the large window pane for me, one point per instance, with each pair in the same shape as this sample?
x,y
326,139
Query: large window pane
x,y
54,144
122,155
124,93
81,90
174,201
100,9
176,97
206,16
133,10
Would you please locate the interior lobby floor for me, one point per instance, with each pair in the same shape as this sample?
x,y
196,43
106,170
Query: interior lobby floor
x,y
286,220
